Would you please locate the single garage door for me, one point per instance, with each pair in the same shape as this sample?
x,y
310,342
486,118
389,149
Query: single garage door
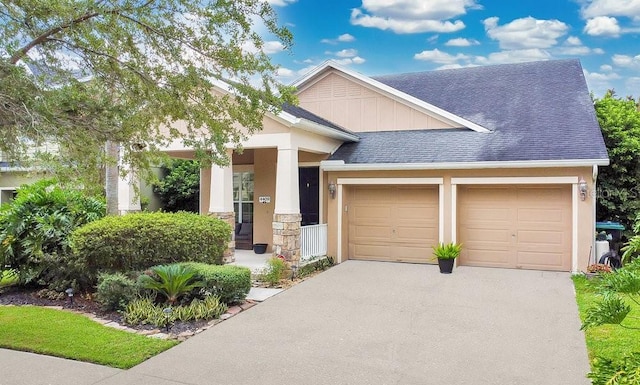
x,y
393,223
524,227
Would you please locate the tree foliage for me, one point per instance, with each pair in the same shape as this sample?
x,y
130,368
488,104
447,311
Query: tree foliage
x,y
619,183
151,63
179,189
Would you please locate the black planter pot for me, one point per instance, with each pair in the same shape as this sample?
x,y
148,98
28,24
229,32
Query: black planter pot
x,y
259,248
446,265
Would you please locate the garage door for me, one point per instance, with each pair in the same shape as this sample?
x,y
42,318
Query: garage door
x,y
393,223
527,227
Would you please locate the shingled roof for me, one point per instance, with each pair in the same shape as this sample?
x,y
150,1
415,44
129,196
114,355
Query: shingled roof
x,y
535,111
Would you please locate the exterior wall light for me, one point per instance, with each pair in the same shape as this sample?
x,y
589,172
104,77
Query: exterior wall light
x,y
332,189
582,187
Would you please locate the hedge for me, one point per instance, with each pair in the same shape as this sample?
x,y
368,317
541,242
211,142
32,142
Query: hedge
x,y
230,283
139,241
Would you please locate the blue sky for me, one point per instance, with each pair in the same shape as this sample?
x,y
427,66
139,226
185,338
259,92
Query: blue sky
x,y
377,37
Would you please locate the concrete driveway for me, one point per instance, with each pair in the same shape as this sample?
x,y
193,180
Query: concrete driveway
x,y
387,323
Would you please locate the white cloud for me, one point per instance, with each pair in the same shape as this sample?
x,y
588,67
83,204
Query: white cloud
x,y
626,61
606,68
574,51
347,53
526,32
268,47
602,26
285,72
344,38
412,16
573,40
599,83
404,26
439,57
280,3
628,8
514,56
461,42
573,47
352,60
455,66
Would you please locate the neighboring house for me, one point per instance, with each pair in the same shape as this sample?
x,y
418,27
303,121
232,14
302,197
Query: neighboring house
x,y
503,159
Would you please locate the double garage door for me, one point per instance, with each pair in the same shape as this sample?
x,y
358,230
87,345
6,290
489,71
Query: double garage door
x,y
527,227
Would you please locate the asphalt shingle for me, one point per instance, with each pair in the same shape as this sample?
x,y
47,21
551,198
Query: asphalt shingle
x,y
535,111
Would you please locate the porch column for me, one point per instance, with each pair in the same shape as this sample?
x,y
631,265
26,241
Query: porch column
x,y
221,202
129,193
286,217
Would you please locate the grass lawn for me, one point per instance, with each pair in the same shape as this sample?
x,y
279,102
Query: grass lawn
x,y
609,341
68,335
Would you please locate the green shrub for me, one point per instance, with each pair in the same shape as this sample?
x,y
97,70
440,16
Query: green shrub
x,y
230,283
35,229
144,311
625,370
319,264
276,267
115,291
170,281
139,241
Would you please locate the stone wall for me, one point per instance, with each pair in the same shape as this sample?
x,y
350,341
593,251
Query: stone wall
x,y
230,253
286,236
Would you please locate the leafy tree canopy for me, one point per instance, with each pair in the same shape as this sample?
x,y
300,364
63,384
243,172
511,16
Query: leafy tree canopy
x,y
149,63
179,189
619,183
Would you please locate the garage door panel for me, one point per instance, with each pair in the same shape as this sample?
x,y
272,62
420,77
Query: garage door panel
x,y
547,195
520,227
379,194
487,214
491,257
368,232
393,223
540,238
541,260
484,234
548,217
363,214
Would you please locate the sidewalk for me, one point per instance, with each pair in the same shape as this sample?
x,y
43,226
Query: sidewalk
x,y
20,368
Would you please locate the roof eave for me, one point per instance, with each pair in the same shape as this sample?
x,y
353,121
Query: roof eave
x,y
339,165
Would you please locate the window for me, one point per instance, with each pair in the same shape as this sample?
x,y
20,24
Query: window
x,y
243,196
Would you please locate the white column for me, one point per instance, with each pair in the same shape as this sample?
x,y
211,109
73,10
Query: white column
x,y
287,187
129,193
221,193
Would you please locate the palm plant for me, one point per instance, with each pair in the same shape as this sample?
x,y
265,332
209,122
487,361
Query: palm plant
x,y
171,281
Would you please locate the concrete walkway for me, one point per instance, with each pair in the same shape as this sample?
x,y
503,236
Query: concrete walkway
x,y
386,323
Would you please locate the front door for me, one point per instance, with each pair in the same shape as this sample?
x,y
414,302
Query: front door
x,y
309,179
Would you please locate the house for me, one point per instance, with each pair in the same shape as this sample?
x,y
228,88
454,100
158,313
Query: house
x,y
503,159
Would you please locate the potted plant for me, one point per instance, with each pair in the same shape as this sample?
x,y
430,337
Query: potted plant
x,y
446,254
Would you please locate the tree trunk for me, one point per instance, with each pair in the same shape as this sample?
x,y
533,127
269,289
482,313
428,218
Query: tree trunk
x,y
111,177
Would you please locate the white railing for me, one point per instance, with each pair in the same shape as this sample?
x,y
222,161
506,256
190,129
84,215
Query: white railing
x,y
313,242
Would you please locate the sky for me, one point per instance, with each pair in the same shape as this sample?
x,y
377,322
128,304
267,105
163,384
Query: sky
x,y
377,37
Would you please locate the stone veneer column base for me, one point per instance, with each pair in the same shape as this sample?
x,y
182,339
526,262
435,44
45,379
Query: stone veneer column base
x,y
230,253
286,236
